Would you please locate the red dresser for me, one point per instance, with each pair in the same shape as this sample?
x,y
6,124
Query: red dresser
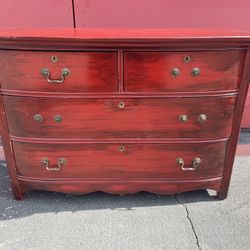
x,y
122,110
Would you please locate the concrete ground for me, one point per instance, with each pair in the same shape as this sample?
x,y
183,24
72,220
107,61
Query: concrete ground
x,y
193,220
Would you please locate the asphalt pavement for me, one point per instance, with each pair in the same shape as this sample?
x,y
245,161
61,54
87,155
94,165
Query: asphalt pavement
x,y
192,220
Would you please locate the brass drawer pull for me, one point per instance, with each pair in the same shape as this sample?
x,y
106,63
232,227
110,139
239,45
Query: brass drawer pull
x,y
121,105
38,118
195,163
183,118
46,73
202,118
175,72
195,72
60,162
57,118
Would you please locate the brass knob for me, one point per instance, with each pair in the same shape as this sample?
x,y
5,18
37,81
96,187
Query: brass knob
x,y
38,118
202,118
65,72
196,162
195,72
121,105
175,72
122,148
57,118
180,161
183,118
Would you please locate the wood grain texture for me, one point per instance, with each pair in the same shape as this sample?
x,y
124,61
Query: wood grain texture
x,y
245,124
138,161
102,118
91,143
89,71
8,152
98,39
245,80
151,71
119,187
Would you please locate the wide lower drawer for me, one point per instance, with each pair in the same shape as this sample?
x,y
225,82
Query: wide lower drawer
x,y
58,71
121,160
61,118
182,71
120,118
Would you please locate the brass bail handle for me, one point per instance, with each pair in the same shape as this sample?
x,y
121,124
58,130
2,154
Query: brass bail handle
x,y
46,73
60,162
195,164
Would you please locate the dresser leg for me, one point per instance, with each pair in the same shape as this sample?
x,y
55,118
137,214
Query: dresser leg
x,y
17,193
222,194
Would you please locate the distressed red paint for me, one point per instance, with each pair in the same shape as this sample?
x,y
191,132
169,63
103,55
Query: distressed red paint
x,y
99,118
134,148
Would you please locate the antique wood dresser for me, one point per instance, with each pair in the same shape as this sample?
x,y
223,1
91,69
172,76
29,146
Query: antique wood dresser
x,y
120,109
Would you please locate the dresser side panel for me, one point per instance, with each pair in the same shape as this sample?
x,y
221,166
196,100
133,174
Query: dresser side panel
x,y
244,84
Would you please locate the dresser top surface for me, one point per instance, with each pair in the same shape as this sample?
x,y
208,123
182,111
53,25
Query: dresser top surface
x,y
112,19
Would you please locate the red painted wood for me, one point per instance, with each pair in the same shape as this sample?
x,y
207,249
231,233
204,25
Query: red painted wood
x,y
36,14
230,34
138,161
163,14
103,95
89,71
119,187
78,40
121,70
222,194
114,140
8,152
151,71
129,35
136,39
246,115
102,118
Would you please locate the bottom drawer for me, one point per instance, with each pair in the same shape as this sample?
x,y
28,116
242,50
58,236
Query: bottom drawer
x,y
120,161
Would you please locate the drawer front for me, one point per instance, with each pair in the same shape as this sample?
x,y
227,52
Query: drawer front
x,y
209,117
82,71
120,161
182,71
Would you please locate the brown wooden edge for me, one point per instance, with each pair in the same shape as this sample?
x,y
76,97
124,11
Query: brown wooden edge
x,y
116,95
120,71
76,44
119,187
244,84
9,155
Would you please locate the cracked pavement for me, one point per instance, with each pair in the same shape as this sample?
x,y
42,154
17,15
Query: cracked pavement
x,y
193,220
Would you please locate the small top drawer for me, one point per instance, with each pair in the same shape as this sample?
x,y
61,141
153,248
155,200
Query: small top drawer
x,y
182,71
58,71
